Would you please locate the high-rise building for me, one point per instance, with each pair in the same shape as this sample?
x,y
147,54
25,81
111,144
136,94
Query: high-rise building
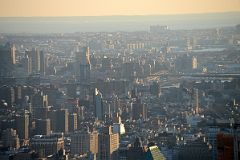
x,y
139,110
7,123
22,126
40,100
98,105
225,146
184,63
7,59
196,101
61,121
47,145
136,151
42,63
18,94
53,118
83,65
158,29
117,87
72,122
197,149
10,138
118,126
39,105
211,135
94,142
7,93
106,63
27,63
81,113
154,153
194,63
35,61
108,144
83,142
43,127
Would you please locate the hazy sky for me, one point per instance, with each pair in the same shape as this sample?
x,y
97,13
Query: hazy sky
x,y
18,8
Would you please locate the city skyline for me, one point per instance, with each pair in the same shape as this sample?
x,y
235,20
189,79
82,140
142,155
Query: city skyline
x,y
54,8
158,94
120,80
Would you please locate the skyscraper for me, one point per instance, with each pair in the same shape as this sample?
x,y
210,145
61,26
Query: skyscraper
x,y
83,142
35,61
106,63
7,59
98,105
22,126
108,144
118,126
225,146
72,122
83,65
61,120
7,93
196,150
139,110
10,138
42,63
136,151
43,126
195,101
39,105
194,62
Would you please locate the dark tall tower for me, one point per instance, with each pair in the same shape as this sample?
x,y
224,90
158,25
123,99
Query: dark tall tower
x,y
61,120
98,105
139,110
108,144
33,61
42,63
7,59
106,63
43,126
39,105
83,65
7,93
22,126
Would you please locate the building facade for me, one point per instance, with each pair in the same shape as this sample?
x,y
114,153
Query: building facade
x,y
108,144
7,59
47,145
83,65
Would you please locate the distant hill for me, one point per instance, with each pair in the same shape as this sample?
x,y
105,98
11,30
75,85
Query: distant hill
x,y
115,23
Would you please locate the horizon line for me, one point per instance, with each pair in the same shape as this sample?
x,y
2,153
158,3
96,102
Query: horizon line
x,y
173,14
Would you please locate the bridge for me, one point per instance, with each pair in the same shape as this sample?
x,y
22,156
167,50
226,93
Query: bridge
x,y
201,75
